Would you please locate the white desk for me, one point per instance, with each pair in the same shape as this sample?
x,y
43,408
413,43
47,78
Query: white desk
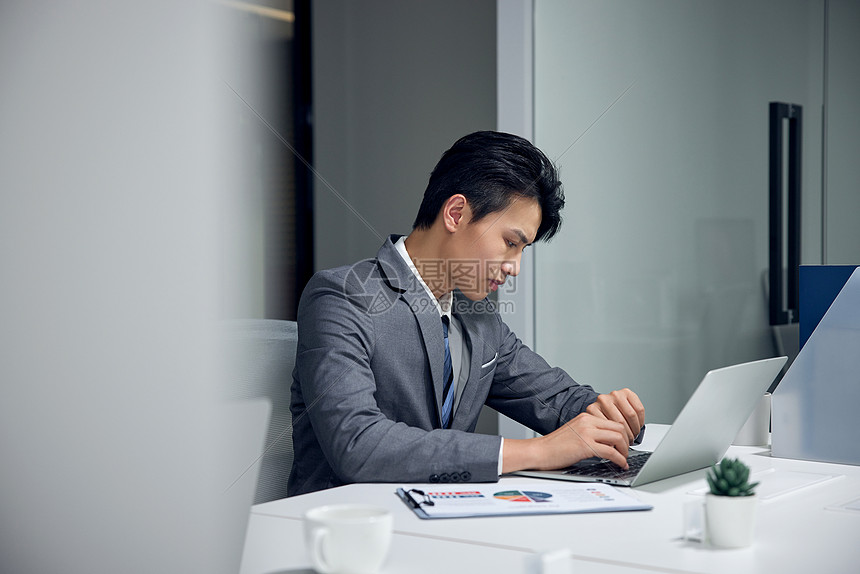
x,y
795,532
274,546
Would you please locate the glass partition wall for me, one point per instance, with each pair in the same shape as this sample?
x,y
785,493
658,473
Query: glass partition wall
x,y
657,114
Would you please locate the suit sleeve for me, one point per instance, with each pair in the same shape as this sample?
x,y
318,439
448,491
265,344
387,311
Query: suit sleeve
x,y
360,443
528,390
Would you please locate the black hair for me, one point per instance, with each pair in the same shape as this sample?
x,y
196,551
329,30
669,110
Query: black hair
x,y
491,169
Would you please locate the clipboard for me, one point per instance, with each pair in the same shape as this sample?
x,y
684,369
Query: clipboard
x,y
459,501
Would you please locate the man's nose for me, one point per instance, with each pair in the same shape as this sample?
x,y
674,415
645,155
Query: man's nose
x,y
511,268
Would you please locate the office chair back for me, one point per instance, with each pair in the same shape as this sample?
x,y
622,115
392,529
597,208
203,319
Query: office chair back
x,y
260,357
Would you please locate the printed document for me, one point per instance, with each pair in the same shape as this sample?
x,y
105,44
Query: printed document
x,y
457,501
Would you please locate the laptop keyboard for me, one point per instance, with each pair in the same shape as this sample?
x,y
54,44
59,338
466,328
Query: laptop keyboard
x,y
603,468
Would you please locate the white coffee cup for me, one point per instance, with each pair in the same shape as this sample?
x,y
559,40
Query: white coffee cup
x,y
756,431
348,538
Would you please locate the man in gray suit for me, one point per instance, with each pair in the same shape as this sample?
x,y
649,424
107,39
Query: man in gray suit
x,y
398,354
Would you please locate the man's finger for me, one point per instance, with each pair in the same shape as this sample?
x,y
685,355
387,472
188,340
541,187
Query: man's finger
x,y
638,407
630,408
609,446
631,418
613,413
595,410
612,434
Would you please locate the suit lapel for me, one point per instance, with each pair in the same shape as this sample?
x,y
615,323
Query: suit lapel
x,y
400,278
434,345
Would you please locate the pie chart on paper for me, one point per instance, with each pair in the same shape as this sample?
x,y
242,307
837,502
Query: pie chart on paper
x,y
522,496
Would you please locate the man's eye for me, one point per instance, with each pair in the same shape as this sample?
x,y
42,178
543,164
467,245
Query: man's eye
x,y
511,243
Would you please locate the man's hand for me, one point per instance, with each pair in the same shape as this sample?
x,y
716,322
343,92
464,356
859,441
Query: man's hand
x,y
623,407
583,437
606,429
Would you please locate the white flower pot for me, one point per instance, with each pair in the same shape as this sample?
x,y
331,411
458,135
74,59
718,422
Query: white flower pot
x,y
730,520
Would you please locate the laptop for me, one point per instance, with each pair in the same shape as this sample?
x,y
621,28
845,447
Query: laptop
x,y
699,437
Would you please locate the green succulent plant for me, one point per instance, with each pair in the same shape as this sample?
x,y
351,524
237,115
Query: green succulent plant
x,y
730,478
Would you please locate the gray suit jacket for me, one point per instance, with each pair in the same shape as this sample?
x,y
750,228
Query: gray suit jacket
x,y
367,386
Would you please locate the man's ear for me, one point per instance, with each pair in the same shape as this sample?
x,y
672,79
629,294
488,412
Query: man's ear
x,y
455,212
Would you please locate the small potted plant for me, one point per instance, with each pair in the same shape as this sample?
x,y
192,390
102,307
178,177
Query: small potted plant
x,y
730,505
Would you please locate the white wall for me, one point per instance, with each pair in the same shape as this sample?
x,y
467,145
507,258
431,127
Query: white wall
x,y
394,85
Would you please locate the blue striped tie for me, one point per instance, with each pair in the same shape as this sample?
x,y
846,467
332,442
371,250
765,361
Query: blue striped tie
x,y
448,377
